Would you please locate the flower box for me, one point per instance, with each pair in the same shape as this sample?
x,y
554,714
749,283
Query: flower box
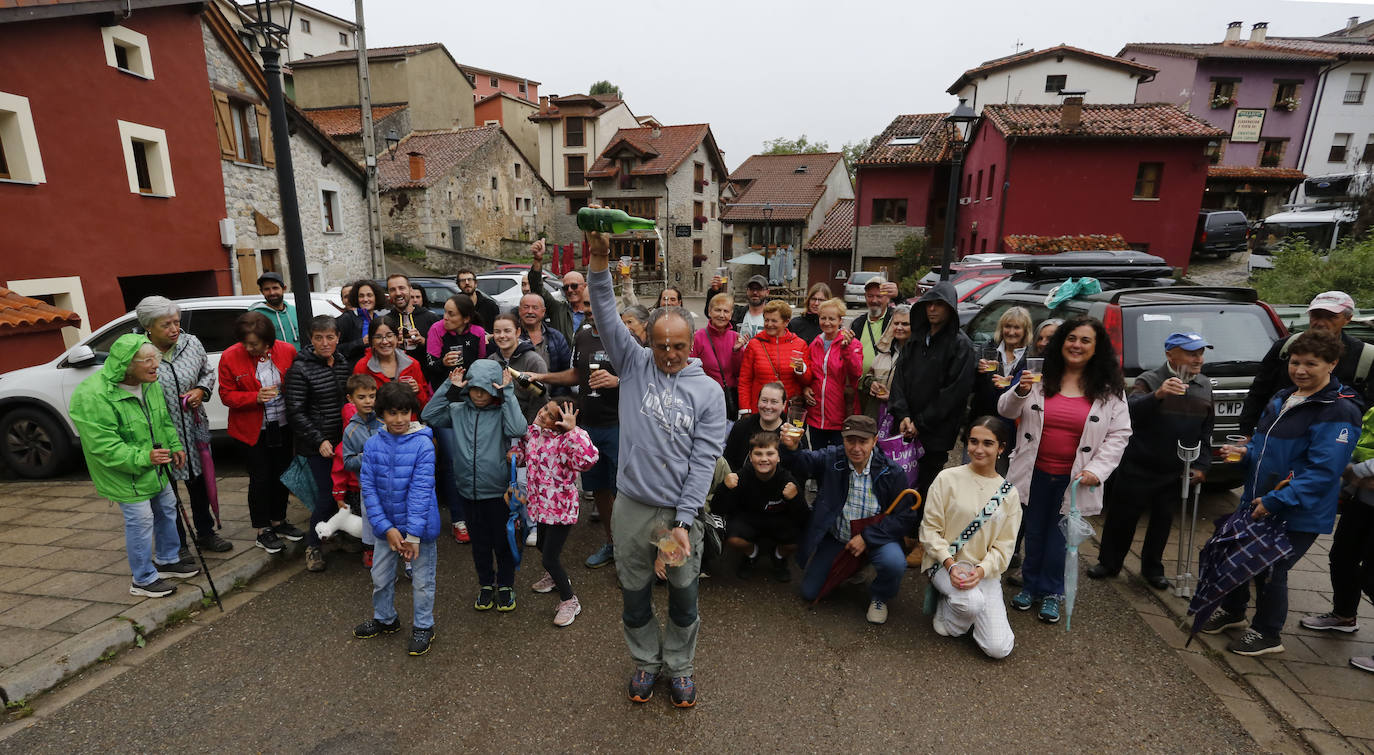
x,y
1223,101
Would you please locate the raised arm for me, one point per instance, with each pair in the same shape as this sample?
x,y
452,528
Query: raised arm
x,y
620,345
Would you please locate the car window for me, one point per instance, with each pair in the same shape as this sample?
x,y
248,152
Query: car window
x,y
101,344
494,286
214,327
1241,336
860,278
983,327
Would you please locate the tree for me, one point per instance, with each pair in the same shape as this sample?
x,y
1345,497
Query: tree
x,y
799,146
604,87
1299,273
915,258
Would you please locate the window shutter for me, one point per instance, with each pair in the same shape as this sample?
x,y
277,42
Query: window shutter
x,y
265,136
224,123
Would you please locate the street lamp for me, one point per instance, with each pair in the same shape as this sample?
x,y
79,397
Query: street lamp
x,y
271,36
767,229
392,139
957,125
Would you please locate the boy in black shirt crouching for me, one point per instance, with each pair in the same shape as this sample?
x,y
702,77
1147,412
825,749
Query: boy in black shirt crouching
x,y
762,502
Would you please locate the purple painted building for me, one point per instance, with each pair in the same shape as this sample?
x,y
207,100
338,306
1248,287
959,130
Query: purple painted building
x,y
1261,94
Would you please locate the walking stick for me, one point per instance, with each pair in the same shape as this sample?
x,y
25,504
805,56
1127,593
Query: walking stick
x,y
191,535
1185,582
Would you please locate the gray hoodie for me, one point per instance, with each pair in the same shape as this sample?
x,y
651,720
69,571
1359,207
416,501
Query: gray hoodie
x,y
672,427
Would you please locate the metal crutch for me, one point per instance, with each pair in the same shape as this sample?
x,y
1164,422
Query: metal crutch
x,y
1184,582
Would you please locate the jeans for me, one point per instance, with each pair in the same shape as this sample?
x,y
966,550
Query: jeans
x,y
150,529
1271,590
385,562
888,560
487,529
550,539
1352,558
325,507
1042,571
1134,493
674,649
267,459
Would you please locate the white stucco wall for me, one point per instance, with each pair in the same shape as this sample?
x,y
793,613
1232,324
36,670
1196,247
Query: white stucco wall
x,y
1025,84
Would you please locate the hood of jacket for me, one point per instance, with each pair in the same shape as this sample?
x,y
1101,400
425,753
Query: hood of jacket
x,y
122,353
483,373
943,291
403,362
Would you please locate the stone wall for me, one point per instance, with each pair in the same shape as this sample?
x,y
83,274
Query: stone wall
x,y
881,240
450,261
342,255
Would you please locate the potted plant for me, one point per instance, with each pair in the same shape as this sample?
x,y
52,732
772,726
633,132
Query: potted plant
x,y
1223,101
1289,103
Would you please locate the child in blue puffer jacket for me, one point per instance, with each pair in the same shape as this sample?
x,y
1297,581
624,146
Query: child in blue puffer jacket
x,y
397,485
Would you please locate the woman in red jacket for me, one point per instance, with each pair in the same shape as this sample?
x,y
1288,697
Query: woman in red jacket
x,y
834,361
775,354
250,377
385,362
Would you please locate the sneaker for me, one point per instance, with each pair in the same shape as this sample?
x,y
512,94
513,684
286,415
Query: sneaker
x,y
684,690
877,612
371,628
604,555
410,571
544,584
1022,600
486,598
180,570
1363,663
314,559
505,599
289,531
184,554
214,543
1330,621
567,611
781,571
420,640
1049,610
1221,621
746,566
1251,642
939,625
367,558
642,686
460,532
268,541
155,589
532,539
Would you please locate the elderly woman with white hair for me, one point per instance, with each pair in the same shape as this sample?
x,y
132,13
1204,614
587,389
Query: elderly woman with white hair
x,y
187,383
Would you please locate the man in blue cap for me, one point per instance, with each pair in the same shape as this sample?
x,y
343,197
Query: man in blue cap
x,y
1169,405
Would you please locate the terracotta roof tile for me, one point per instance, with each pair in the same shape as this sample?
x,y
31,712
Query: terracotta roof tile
x,y
1342,49
1244,50
1058,50
373,53
919,139
661,154
442,151
1255,173
773,179
837,233
1102,121
347,121
21,312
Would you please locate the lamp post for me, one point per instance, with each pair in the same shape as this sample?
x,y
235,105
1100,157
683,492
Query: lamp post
x,y
768,237
957,125
392,139
271,37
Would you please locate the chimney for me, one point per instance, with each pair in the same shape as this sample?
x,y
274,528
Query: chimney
x,y
1259,31
543,103
657,132
417,166
1352,22
1233,31
1071,113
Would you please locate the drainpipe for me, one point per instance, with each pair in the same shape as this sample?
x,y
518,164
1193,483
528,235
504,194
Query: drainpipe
x,y
1322,76
854,234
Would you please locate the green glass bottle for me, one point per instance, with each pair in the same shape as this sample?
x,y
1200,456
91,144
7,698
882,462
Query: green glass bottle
x,y
611,221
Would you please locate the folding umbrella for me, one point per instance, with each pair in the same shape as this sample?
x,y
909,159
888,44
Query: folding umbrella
x,y
516,498
846,564
1075,530
1240,548
207,467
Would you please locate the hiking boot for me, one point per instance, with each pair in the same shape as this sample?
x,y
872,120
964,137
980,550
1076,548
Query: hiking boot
x,y
420,640
214,543
372,627
289,531
486,598
567,611
1022,600
1330,621
268,541
314,559
642,686
1363,663
1049,610
460,532
877,612
184,569
156,589
1221,621
746,567
604,555
367,558
1251,642
684,691
781,571
543,584
505,599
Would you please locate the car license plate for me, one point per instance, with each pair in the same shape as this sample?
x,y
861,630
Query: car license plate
x,y
1229,408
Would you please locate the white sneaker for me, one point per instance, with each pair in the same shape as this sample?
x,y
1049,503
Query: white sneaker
x,y
938,624
567,611
877,612
532,539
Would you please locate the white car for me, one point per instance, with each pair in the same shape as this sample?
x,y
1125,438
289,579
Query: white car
x,y
38,439
504,286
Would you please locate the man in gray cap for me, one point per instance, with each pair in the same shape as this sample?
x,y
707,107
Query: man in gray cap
x,y
869,328
747,318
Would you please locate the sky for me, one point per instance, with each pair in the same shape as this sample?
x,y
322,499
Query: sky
x,y
836,72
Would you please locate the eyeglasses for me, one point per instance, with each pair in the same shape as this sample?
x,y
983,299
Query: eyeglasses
x,y
817,299
571,286
385,337
150,359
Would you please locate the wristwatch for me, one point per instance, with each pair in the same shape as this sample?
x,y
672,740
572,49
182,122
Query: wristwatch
x,y
682,525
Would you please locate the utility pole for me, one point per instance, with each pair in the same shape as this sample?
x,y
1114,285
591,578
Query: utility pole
x,y
374,210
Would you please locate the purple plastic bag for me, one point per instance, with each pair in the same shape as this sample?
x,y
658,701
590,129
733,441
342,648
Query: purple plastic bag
x,y
906,453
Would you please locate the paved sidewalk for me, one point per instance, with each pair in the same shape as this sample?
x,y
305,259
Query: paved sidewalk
x,y
1311,685
64,579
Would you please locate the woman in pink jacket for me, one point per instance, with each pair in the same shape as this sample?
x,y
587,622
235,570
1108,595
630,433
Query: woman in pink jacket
x,y
1072,425
719,347
834,361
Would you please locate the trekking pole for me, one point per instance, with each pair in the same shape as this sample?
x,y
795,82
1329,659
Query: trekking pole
x,y
190,535
1183,581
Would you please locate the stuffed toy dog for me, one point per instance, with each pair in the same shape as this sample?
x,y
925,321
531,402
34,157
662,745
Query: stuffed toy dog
x,y
344,521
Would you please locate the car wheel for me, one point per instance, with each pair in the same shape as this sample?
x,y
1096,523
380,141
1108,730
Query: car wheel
x,y
1223,255
33,443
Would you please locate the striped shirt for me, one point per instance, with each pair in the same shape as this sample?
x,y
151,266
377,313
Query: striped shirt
x,y
859,503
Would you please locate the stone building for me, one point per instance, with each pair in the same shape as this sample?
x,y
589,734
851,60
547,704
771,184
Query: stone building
x,y
512,114
423,77
345,125
573,131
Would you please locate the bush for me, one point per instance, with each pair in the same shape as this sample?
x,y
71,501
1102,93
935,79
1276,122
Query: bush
x,y
1299,274
915,258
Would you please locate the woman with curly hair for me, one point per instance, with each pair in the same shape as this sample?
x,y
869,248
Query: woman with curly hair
x,y
363,299
1074,424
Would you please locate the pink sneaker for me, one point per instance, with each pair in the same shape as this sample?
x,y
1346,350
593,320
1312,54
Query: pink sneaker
x,y
544,584
567,611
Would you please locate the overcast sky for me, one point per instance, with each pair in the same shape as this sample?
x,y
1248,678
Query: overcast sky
x,y
834,71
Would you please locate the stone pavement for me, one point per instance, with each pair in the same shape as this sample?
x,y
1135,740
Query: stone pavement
x,y
1311,685
64,578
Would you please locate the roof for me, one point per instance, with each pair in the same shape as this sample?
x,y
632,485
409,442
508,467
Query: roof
x,y
21,312
373,53
1363,30
773,179
926,141
1148,121
507,95
498,74
442,150
1241,50
598,103
660,155
837,232
1139,69
1340,48
347,121
1255,173
33,10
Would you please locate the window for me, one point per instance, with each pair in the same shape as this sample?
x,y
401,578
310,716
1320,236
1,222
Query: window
x,y
698,215
247,143
19,158
493,183
305,25
1340,143
1214,151
1367,156
494,82
889,212
968,184
1284,92
698,256
1271,152
523,88
572,133
528,205
472,80
1056,82
127,50
343,38
575,204
1147,180
698,178
244,134
214,327
1354,89
329,210
146,161
271,260
713,209
1224,88
646,207
577,170
992,179
978,187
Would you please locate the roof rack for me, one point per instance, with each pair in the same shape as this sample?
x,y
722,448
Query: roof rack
x,y
1122,258
1229,293
1114,272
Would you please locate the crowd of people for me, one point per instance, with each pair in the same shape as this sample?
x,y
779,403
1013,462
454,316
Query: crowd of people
x,y
778,423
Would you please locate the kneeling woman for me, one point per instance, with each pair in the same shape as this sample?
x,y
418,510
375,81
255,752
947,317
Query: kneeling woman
x,y
966,567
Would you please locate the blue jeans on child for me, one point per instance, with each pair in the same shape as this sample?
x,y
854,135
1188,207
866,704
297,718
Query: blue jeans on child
x,y
1042,571
150,529
888,560
1271,590
385,562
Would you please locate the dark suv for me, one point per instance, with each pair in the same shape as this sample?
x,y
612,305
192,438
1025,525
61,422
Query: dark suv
x,y
1241,328
1041,273
1221,232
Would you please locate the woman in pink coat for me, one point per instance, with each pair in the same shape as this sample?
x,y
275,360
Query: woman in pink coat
x,y
834,361
719,347
1071,425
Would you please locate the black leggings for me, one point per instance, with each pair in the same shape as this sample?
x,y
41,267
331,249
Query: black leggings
x,y
550,539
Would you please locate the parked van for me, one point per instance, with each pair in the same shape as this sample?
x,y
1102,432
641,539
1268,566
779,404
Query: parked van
x,y
1220,232
1322,225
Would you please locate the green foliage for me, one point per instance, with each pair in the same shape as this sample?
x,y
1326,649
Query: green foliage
x,y
799,146
605,87
402,249
17,709
852,151
1299,274
915,258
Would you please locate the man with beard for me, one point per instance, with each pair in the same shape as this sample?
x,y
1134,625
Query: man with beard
x,y
869,328
487,308
414,321
278,311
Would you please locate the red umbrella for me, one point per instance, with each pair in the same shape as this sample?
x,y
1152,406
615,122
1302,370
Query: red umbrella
x,y
846,564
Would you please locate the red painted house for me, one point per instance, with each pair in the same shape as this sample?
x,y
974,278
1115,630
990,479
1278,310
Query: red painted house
x,y
1133,170
110,182
899,190
486,83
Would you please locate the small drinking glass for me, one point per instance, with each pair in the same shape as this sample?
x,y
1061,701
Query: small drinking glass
x,y
592,367
796,414
1236,441
988,359
962,571
625,266
1036,367
670,550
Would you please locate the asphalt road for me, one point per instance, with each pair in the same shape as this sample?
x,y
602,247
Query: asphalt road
x,y
283,674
